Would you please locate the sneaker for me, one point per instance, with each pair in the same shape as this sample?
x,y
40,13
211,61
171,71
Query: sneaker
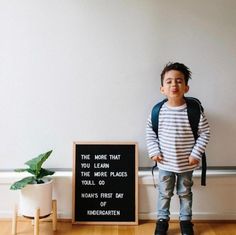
x,y
186,227
162,226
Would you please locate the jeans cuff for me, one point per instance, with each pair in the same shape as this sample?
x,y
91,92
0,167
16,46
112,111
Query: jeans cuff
x,y
184,218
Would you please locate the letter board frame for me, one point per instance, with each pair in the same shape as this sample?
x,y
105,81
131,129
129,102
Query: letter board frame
x,y
105,183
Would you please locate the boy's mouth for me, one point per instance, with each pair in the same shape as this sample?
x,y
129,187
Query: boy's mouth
x,y
174,90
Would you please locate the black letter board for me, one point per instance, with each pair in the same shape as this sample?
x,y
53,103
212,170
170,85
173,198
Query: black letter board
x,y
105,183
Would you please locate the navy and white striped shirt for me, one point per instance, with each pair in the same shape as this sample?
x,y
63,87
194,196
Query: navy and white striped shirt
x,y
175,141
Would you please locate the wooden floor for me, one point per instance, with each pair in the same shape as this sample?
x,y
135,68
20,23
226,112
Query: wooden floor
x,y
144,228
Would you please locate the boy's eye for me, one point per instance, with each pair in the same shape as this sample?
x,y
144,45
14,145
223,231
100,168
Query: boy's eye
x,y
168,82
179,81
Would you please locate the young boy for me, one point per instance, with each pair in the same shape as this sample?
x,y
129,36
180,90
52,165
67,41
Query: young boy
x,y
175,150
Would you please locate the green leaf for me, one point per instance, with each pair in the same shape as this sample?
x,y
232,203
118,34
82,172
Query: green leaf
x,y
35,164
44,172
35,168
22,183
33,172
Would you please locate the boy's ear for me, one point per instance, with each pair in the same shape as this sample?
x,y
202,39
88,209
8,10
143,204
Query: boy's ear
x,y
186,89
162,90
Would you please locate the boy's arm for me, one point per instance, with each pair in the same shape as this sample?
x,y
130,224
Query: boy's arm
x,y
152,142
203,139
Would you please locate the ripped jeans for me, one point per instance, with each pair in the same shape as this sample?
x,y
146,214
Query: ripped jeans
x,y
166,187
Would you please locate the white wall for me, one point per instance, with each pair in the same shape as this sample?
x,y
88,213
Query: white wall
x,y
89,70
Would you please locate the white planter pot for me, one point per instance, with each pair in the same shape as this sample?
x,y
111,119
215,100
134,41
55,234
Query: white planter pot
x,y
35,196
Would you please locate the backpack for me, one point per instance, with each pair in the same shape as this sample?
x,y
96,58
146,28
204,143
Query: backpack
x,y
194,110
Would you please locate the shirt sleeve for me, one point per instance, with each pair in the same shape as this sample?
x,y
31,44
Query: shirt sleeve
x,y
151,140
203,138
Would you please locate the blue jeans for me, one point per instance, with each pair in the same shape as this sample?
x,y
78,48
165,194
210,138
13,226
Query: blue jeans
x,y
183,188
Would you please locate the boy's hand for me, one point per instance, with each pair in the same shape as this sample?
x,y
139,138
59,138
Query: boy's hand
x,y
193,161
157,158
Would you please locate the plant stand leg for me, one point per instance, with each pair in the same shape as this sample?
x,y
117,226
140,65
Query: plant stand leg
x,y
14,221
54,215
36,221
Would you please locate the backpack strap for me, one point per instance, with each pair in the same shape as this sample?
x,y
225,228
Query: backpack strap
x,y
194,110
155,116
204,169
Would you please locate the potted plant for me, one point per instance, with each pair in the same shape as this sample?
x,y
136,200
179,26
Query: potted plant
x,y
35,190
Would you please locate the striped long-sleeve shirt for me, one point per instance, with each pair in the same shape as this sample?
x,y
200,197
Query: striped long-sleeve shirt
x,y
175,141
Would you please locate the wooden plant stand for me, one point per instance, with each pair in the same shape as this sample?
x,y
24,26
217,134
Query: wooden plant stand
x,y
36,219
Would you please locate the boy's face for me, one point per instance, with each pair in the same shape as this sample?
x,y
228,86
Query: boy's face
x,y
174,86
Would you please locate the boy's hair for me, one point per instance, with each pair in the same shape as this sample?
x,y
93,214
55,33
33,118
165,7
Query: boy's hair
x,y
179,67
